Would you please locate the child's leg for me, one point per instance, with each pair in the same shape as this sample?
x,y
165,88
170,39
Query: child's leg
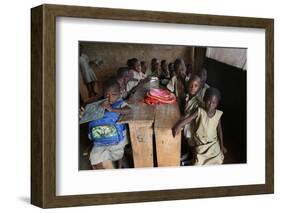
x,y
120,163
89,89
117,153
97,156
93,88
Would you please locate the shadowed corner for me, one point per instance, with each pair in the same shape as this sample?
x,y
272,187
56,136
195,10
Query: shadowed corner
x,y
25,199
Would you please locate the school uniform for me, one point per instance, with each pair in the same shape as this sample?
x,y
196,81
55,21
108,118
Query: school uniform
x,y
149,72
178,88
191,105
202,91
205,140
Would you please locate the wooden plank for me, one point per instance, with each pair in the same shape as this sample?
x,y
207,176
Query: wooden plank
x,y
166,115
139,114
142,144
167,146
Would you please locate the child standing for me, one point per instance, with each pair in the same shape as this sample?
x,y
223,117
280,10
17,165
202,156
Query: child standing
x,y
87,72
207,137
112,149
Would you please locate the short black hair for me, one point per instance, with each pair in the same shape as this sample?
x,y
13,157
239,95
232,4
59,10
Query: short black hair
x,y
111,83
154,60
131,62
210,92
163,61
194,78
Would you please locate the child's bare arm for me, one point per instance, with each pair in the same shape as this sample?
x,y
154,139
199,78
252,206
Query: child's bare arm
x,y
124,110
182,122
108,107
220,135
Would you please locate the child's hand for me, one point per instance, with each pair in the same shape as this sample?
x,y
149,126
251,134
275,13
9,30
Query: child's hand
x,y
224,150
176,129
106,105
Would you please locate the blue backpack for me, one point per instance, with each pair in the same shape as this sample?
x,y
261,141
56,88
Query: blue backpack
x,y
105,131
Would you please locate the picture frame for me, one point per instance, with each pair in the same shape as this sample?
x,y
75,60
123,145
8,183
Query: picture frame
x,y
43,105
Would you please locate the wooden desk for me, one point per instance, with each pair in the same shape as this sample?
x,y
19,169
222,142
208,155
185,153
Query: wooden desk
x,y
146,120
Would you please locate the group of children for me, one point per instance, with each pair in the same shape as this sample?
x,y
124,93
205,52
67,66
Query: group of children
x,y
200,120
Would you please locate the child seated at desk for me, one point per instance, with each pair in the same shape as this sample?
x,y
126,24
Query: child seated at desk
x,y
136,75
109,139
123,77
178,82
207,137
165,74
154,68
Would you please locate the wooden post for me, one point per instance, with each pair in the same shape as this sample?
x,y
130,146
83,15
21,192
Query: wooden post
x,y
142,144
140,122
167,146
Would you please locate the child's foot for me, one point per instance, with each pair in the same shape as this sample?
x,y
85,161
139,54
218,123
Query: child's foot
x,y
186,163
97,166
184,156
119,164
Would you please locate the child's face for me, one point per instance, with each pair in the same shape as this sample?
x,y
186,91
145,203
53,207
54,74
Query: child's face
x,y
155,65
164,66
137,66
171,67
144,67
181,71
112,94
211,104
203,75
193,87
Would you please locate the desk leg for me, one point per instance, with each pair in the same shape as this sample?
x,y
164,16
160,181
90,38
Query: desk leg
x,y
141,139
167,147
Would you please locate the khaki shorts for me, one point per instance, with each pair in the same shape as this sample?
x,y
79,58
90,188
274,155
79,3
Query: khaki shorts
x,y
112,152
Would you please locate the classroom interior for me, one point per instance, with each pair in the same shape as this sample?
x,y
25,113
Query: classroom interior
x,y
227,71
